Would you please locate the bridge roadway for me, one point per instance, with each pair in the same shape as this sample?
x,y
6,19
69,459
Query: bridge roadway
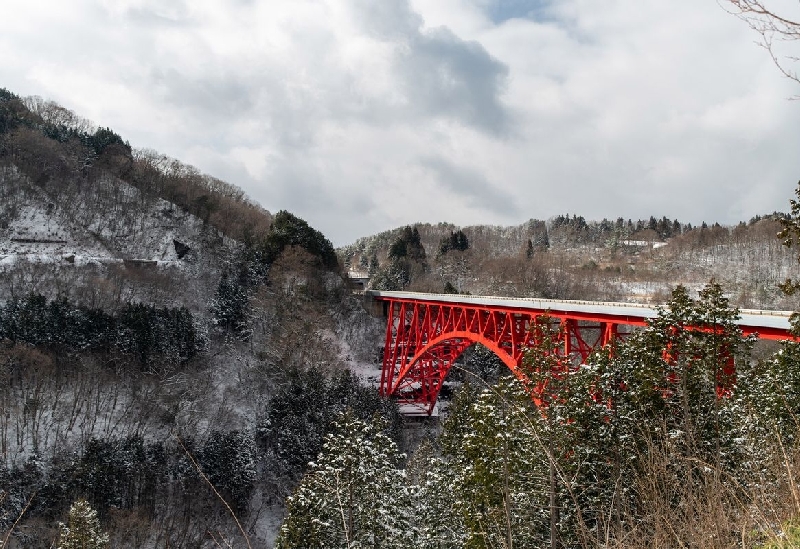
x,y
764,323
425,333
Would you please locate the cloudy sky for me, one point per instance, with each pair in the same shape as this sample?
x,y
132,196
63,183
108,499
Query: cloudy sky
x,y
364,115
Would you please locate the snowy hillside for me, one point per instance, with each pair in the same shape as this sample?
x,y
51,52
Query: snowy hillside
x,y
111,229
570,258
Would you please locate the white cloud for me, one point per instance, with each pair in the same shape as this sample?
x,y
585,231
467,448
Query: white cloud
x,y
359,116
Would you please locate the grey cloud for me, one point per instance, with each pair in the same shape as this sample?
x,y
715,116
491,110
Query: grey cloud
x,y
500,11
470,185
315,193
175,13
444,75
214,94
217,102
148,17
441,75
389,20
224,94
438,75
300,189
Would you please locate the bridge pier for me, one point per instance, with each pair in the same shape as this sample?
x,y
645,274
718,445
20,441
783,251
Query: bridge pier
x,y
375,307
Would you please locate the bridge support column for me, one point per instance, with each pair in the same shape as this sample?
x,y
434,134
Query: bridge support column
x,y
568,328
608,333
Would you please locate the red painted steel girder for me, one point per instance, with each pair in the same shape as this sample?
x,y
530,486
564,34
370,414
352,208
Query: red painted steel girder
x,y
424,339
426,333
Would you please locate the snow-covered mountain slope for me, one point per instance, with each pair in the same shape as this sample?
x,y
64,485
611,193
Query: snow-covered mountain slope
x,y
105,229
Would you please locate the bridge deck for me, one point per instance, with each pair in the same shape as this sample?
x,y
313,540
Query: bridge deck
x,y
767,324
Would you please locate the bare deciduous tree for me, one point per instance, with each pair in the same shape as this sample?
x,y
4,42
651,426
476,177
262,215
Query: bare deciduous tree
x,y
774,27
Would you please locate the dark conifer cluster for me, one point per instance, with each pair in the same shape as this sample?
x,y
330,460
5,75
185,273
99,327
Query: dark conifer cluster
x,y
456,241
143,331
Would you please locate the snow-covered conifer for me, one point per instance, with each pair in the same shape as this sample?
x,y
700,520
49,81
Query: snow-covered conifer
x,y
496,473
353,496
82,530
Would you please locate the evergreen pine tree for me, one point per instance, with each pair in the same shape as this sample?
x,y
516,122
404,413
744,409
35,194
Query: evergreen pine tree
x,y
790,234
353,496
373,265
82,530
231,301
496,470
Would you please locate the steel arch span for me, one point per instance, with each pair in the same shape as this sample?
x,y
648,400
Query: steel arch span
x,y
424,338
426,333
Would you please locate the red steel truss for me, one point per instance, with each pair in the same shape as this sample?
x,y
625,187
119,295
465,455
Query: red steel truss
x,y
426,333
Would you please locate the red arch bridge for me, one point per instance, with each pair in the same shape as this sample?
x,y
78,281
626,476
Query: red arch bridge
x,y
426,333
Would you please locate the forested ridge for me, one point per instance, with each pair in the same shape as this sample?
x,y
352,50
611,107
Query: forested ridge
x,y
568,257
179,367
